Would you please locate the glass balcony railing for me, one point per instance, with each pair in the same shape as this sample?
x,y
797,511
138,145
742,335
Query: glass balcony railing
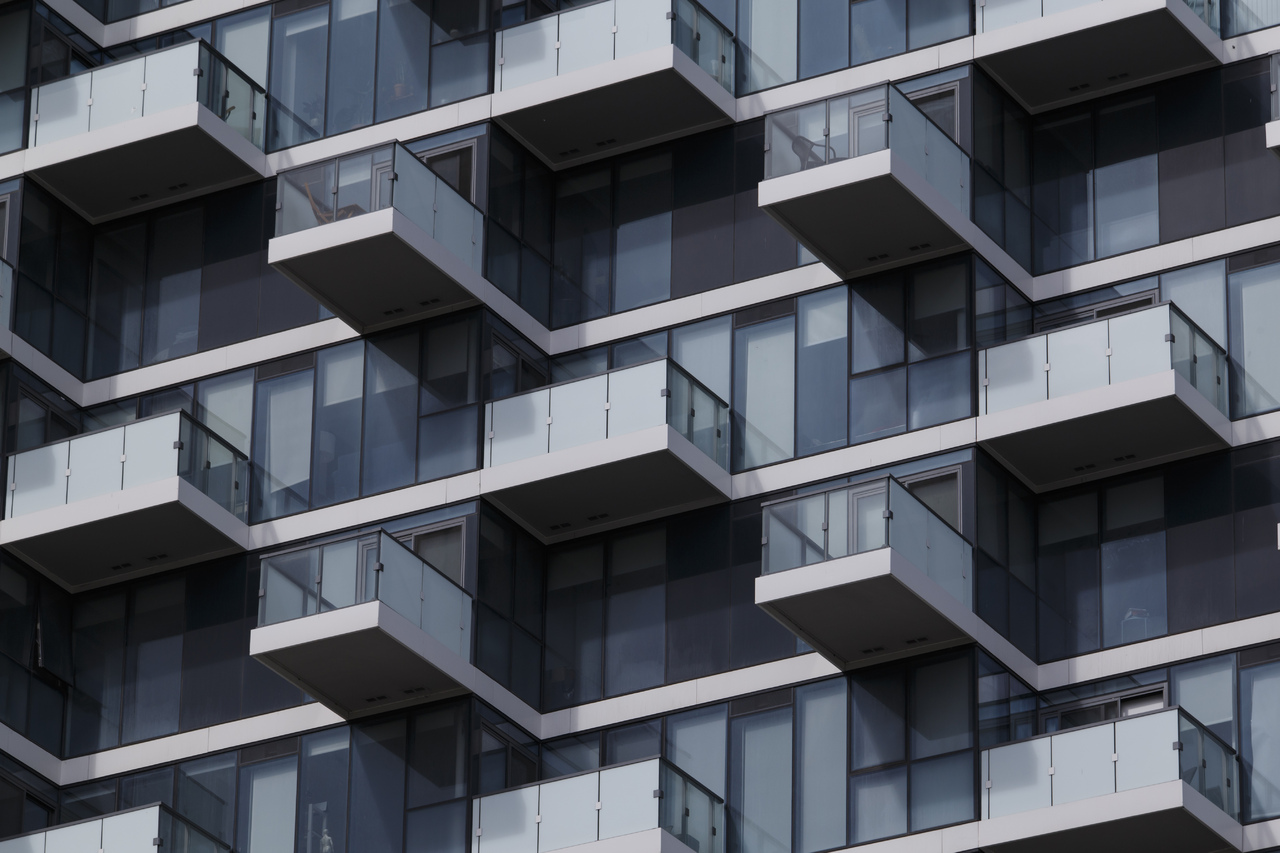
x,y
598,805
121,832
137,453
1104,352
1121,755
383,177
994,14
574,413
187,73
375,567
595,34
850,520
818,134
1275,87
6,295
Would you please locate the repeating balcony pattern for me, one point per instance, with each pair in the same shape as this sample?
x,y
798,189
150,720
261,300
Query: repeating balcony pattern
x,y
599,805
132,831
1170,363
381,207
995,14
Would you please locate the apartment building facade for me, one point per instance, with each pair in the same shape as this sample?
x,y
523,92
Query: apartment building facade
x,y
739,426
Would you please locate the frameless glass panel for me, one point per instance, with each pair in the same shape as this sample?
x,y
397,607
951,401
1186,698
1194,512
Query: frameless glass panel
x,y
507,822
95,464
455,223
1143,750
400,581
1138,345
117,94
1082,765
132,832
1003,13
1016,374
1078,359
586,37
568,812
170,78
150,450
635,398
1019,776
796,533
339,572
63,109
519,427
446,612
528,53
627,803
414,190
1200,292
642,25
75,838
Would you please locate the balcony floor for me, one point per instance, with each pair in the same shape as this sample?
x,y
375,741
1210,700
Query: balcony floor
x,y
1096,48
1169,817
376,270
1104,431
362,660
145,162
624,480
118,535
617,106
865,213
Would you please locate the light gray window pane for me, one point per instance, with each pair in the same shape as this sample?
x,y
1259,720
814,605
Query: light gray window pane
x,y
336,448
879,719
11,130
878,802
282,446
635,613
1254,298
225,405
696,744
821,368
942,791
821,711
940,718
322,807
1200,292
299,53
933,21
1207,690
878,28
703,349
404,26
244,39
760,783
459,69
877,405
938,391
352,37
268,796
767,41
1260,739
878,324
764,381
1128,205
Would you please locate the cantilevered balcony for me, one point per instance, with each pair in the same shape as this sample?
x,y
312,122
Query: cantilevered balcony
x,y
866,572
612,76
378,238
1050,52
866,181
646,807
156,493
143,828
169,125
1108,395
1158,781
364,625
622,447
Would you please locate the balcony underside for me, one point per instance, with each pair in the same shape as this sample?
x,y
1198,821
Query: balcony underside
x,y
1169,817
1096,48
1104,431
859,215
647,474
361,660
613,107
375,270
863,609
1273,136
118,535
145,162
